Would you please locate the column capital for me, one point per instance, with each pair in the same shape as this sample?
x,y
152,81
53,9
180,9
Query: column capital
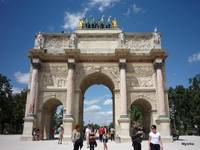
x,y
158,63
122,63
36,63
71,63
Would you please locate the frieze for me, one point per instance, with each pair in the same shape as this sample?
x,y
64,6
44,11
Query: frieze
x,y
140,70
56,43
139,44
54,68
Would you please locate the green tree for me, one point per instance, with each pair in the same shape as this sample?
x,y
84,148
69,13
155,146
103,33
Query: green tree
x,y
5,103
18,111
194,90
136,114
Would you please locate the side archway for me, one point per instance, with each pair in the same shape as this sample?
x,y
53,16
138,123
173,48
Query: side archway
x,y
48,110
140,112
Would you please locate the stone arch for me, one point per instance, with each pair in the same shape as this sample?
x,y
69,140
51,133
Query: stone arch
x,y
48,109
91,79
146,109
113,78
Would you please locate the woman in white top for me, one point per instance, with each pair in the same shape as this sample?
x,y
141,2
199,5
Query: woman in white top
x,y
155,142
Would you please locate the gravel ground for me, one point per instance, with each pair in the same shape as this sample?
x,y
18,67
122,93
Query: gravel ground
x,y
13,142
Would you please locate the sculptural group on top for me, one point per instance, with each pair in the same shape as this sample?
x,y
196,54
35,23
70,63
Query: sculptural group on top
x,y
91,22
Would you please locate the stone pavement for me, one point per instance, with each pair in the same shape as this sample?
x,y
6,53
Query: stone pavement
x,y
12,142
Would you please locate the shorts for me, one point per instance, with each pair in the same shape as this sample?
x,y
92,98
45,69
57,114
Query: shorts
x,y
105,140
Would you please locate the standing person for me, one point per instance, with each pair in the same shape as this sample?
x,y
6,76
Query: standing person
x,y
112,133
105,141
155,142
136,137
87,133
92,139
61,132
101,132
76,138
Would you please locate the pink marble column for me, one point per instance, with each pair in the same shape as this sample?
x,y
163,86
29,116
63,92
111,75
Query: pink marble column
x,y
160,87
123,92
34,86
70,87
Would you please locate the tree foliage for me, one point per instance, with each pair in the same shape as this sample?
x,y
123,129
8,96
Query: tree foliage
x,y
136,115
12,108
186,110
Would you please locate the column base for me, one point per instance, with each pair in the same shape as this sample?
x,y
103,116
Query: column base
x,y
68,122
124,128
28,128
164,128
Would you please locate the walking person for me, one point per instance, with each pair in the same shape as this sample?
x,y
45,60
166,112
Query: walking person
x,y
136,136
61,133
101,132
87,133
76,138
105,141
155,142
92,139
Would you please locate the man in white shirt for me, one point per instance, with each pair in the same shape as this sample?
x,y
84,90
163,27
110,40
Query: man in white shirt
x,y
87,133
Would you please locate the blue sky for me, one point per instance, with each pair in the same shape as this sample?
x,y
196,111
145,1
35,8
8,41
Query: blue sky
x,y
178,21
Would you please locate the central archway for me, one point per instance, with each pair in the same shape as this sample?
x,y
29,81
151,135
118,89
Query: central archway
x,y
97,78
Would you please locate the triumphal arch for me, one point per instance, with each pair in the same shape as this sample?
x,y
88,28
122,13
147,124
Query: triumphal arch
x,y
64,65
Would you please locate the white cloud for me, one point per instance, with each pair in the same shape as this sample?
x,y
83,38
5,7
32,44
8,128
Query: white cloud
x,y
22,77
135,9
16,90
100,117
108,102
97,100
71,20
93,109
92,102
194,58
102,4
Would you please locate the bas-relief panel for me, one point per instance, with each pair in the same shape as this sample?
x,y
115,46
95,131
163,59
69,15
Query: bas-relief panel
x,y
140,75
54,75
56,42
139,44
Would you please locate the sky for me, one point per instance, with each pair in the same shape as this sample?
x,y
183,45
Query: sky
x,y
178,21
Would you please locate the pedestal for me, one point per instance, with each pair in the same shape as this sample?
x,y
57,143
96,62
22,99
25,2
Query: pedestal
x,y
28,128
68,126
164,128
124,122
